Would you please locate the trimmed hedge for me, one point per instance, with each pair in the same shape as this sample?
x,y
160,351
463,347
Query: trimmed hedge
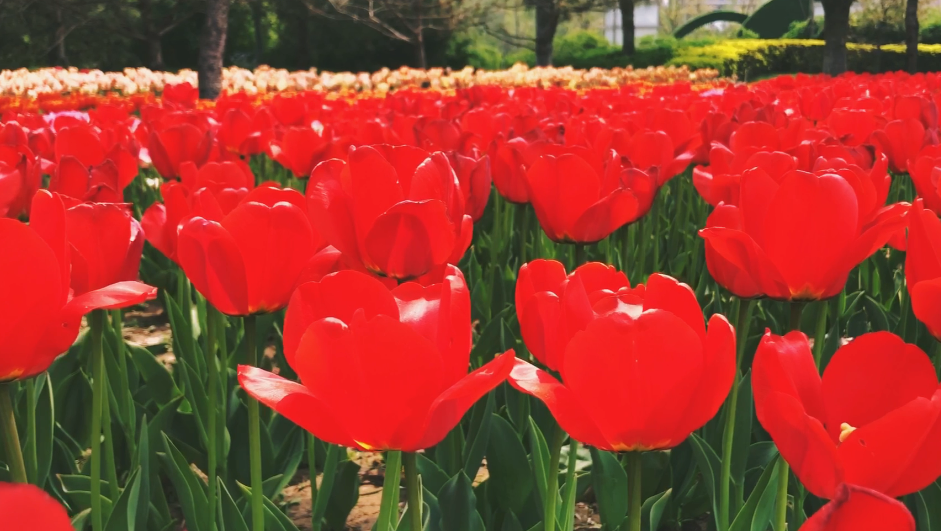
x,y
751,58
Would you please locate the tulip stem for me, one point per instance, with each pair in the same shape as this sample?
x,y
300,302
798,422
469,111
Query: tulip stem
x,y
820,333
312,472
319,507
11,438
413,490
32,455
552,481
389,504
797,309
212,432
129,413
96,321
524,233
743,322
579,255
111,469
254,432
634,508
568,494
780,507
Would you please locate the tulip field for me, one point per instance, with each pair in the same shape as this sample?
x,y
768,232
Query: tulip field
x,y
573,300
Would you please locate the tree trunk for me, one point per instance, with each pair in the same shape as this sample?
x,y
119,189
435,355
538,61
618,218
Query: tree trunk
x,y
911,35
212,48
259,31
627,26
547,20
61,57
421,60
154,46
836,26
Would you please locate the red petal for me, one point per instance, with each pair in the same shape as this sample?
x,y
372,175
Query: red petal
x,y
25,507
330,209
212,261
409,239
861,509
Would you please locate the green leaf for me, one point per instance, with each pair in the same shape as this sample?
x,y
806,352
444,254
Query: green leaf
x,y
539,453
229,515
459,505
708,463
275,519
124,515
490,341
743,520
653,510
478,436
45,427
511,479
142,460
344,496
433,478
765,508
744,412
609,481
188,487
160,385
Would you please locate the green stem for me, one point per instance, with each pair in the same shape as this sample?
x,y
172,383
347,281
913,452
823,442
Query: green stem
x,y
126,402
389,505
111,468
579,255
312,472
656,235
96,321
254,432
634,508
524,233
797,309
568,494
223,395
936,357
212,432
11,438
552,482
32,454
780,508
729,434
413,490
641,265
820,333
326,485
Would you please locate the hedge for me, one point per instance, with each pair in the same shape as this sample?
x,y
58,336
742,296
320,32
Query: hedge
x,y
751,58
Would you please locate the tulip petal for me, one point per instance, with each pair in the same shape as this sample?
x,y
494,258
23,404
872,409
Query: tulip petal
x,y
860,509
561,401
26,507
212,261
295,402
926,304
666,293
448,409
607,215
409,239
330,209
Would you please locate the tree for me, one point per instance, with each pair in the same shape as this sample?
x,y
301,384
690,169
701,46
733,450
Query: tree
x,y
212,48
911,35
147,21
627,26
836,28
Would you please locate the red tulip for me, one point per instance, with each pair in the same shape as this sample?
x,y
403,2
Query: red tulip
x,y
473,174
176,144
576,202
98,184
250,260
106,244
654,153
799,237
26,507
299,150
247,135
41,315
380,369
509,171
181,95
640,371
923,267
20,178
901,140
86,147
861,509
871,420
925,171
397,210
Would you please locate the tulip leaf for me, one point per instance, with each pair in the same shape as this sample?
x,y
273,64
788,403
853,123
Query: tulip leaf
x,y
344,495
478,436
511,479
609,482
124,514
709,465
189,489
275,519
878,321
741,439
229,515
141,461
459,505
652,510
433,478
490,341
928,507
539,454
160,385
45,427
743,521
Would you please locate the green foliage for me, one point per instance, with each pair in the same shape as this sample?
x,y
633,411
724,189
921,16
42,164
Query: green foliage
x,y
800,30
929,31
773,18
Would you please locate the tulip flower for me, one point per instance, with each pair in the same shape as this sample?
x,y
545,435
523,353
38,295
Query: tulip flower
x,y
925,171
176,144
923,267
796,238
250,260
397,210
41,315
380,368
640,370
509,171
860,509
243,134
901,140
576,202
211,191
27,507
473,174
299,150
20,178
106,244
872,419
